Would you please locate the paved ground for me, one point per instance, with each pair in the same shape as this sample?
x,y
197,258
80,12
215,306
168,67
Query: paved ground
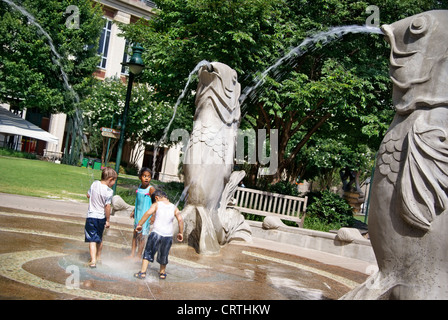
x,y
43,256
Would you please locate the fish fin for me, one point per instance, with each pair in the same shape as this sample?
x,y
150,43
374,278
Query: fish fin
x,y
424,183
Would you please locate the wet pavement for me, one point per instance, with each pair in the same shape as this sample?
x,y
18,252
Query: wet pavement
x,y
43,256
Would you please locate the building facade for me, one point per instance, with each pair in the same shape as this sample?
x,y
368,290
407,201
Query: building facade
x,y
112,50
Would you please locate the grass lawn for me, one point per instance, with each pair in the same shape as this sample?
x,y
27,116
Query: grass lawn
x,y
58,181
361,218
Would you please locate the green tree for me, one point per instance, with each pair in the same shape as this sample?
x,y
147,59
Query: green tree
x,y
323,159
105,104
29,72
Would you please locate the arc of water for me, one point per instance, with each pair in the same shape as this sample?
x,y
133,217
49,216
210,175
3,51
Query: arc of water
x,y
56,59
41,30
179,99
324,37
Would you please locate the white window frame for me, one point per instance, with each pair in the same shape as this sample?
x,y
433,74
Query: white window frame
x,y
103,48
126,57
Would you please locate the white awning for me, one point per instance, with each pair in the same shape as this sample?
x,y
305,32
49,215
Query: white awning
x,y
11,124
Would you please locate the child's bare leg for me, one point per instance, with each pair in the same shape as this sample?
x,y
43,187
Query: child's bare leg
x,y
93,252
144,267
142,273
141,245
134,244
99,249
162,272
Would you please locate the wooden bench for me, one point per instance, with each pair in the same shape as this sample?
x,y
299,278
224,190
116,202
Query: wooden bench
x,y
265,203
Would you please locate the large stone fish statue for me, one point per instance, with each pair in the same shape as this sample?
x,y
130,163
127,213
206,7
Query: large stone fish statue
x,y
209,158
408,221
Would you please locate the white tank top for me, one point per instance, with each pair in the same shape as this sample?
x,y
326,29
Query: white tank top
x,y
163,224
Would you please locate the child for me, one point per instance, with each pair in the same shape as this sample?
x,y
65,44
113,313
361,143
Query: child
x,y
98,215
161,238
142,204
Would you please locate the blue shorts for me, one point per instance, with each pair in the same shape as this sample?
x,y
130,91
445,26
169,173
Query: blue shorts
x,y
159,244
94,229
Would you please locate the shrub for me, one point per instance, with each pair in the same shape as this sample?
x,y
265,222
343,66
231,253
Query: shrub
x,y
112,165
16,154
327,211
284,187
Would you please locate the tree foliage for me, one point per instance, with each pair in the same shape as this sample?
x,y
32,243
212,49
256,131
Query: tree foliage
x,y
104,106
29,72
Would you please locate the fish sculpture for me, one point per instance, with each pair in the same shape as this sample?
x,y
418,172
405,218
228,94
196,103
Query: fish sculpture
x,y
408,221
209,156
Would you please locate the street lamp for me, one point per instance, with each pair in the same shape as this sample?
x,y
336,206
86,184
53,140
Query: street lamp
x,y
136,66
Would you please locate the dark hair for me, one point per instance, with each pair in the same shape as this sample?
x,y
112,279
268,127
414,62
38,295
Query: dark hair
x,y
158,193
142,170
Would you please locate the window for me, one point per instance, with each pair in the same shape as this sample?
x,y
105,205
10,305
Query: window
x,y
126,56
104,43
149,3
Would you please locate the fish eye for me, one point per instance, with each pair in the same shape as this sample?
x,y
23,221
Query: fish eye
x,y
419,25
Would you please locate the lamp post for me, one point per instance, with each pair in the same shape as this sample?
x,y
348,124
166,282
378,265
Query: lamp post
x,y
136,66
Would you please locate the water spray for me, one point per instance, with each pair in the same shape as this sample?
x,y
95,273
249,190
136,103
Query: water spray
x,y
179,99
323,38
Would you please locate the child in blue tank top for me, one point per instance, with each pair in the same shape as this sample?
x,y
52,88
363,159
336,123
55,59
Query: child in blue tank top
x,y
142,204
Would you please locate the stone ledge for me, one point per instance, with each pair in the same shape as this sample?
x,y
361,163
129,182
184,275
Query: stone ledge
x,y
316,240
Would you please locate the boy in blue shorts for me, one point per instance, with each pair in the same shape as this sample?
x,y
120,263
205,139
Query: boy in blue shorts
x,y
98,215
161,238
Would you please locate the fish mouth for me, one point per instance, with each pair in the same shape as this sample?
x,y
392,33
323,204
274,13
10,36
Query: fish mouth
x,y
208,73
210,67
395,54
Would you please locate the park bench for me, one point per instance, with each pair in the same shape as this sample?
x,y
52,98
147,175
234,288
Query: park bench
x,y
265,203
52,155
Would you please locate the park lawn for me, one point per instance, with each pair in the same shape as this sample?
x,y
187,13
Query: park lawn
x,y
64,182
45,179
50,180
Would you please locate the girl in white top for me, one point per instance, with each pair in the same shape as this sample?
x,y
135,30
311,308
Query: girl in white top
x,y
161,238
